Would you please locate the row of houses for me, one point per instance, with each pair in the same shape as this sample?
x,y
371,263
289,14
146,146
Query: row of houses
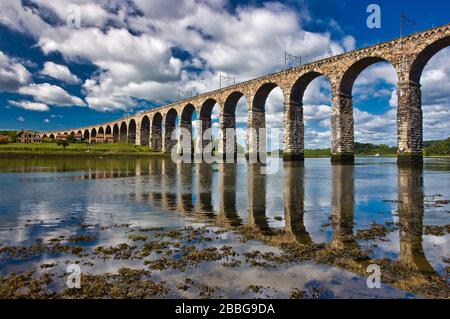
x,y
28,137
35,137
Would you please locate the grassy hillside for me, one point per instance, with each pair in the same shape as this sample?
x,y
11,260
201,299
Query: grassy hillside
x,y
75,149
372,149
437,148
431,148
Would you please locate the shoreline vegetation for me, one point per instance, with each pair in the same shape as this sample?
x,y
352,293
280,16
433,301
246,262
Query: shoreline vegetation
x,y
8,147
123,149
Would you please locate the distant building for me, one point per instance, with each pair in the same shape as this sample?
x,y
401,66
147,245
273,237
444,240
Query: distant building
x,y
78,136
28,137
61,137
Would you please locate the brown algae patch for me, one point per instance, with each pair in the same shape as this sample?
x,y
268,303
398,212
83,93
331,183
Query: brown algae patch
x,y
375,232
189,247
25,285
127,283
203,290
436,230
25,252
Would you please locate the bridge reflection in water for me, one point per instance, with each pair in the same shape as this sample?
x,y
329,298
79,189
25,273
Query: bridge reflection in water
x,y
209,194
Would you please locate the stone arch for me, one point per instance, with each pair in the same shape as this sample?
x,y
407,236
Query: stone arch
x,y
52,136
351,74
187,112
186,123
101,134
156,132
123,132
256,122
116,133
205,124
170,120
410,114
425,56
228,120
301,84
93,135
207,108
86,135
342,123
229,107
108,135
132,131
293,123
145,131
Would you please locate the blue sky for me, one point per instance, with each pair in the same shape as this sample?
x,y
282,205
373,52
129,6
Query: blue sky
x,y
132,55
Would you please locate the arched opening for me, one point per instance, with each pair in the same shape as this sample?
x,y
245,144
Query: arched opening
x,y
188,116
52,136
156,133
123,133
235,116
365,98
316,102
108,135
132,132
170,126
116,133
268,97
101,135
209,127
86,136
306,116
93,135
145,131
424,57
431,71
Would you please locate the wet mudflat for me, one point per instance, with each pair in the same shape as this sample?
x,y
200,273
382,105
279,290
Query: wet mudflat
x,y
150,228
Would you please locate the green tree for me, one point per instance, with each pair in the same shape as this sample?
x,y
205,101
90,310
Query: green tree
x,y
63,143
71,138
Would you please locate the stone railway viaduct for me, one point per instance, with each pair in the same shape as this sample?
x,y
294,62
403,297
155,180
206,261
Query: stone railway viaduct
x,y
408,56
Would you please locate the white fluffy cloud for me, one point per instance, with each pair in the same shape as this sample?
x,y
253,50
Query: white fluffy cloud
x,y
59,72
12,73
51,94
135,58
30,106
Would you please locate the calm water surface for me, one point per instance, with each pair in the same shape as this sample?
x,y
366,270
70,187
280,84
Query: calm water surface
x,y
314,203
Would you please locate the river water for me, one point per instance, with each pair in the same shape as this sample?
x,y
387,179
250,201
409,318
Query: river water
x,y
341,218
